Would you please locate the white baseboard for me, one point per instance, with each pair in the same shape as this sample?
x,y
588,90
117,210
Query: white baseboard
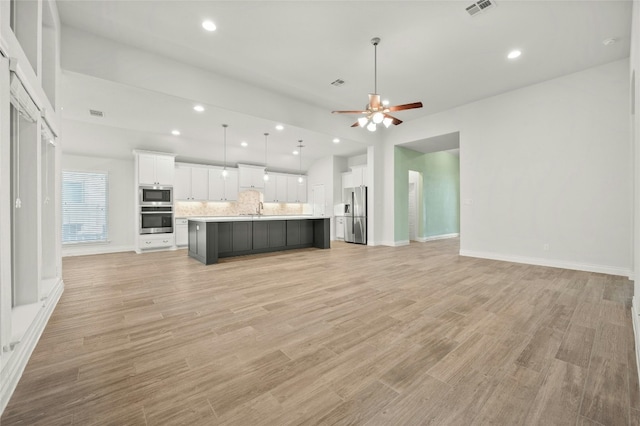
x,y
18,358
395,243
602,269
635,320
437,237
83,250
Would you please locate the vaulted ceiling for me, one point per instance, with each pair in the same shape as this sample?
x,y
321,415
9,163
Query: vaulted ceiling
x,y
431,51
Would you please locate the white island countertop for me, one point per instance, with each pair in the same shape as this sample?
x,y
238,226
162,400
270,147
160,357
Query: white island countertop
x,y
247,218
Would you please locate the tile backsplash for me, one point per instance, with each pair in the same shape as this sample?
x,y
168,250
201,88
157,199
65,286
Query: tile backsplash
x,y
247,203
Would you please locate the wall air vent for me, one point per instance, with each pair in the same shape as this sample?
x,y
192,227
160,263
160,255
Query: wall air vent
x,y
338,82
480,6
96,113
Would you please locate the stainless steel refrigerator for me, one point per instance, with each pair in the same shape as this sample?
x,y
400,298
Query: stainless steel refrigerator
x,y
355,215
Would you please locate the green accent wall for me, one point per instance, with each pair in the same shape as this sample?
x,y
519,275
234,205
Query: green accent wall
x,y
439,193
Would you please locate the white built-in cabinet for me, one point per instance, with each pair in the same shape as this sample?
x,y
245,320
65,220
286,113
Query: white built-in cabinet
x,y
359,174
191,183
340,227
196,182
356,177
275,189
251,177
156,169
296,190
182,233
223,188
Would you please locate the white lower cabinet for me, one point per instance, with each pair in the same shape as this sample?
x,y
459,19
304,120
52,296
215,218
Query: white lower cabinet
x,y
340,227
182,232
155,241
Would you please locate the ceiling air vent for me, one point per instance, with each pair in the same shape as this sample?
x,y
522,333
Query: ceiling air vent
x,y
96,113
480,6
338,82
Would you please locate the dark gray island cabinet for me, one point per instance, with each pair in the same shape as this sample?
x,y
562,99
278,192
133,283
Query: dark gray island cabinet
x,y
212,238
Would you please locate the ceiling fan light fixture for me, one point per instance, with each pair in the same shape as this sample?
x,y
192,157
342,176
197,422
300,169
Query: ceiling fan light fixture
x,y
376,110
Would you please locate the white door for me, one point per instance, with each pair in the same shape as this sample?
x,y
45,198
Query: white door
x,y
318,199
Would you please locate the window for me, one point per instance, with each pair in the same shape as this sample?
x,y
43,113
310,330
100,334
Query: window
x,y
84,207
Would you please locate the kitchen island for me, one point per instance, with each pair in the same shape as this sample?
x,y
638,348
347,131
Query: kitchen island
x,y
211,238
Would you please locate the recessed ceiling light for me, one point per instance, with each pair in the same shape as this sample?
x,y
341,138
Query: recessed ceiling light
x,y
175,132
295,152
336,140
198,108
208,25
244,144
609,41
514,54
279,127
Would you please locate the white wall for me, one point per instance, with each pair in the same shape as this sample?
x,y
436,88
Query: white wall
x,y
357,160
545,164
121,196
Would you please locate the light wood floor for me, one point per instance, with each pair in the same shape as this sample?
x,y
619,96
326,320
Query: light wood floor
x,y
352,335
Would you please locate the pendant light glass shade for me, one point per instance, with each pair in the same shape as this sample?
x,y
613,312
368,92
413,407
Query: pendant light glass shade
x,y
371,127
387,122
362,121
225,173
377,117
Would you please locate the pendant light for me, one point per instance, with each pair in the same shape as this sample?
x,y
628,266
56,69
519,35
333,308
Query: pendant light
x,y
266,175
300,146
225,173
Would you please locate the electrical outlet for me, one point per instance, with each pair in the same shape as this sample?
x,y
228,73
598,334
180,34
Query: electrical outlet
x,y
545,247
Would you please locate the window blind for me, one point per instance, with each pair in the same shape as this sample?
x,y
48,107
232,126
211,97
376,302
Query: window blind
x,y
84,207
22,101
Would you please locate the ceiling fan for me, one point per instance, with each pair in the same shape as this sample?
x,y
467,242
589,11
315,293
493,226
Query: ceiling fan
x,y
377,112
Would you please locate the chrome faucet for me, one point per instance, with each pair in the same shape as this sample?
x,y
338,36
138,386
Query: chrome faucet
x,y
259,208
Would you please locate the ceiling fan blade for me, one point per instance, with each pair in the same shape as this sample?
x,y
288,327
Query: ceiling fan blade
x,y
374,100
396,121
356,124
405,106
349,112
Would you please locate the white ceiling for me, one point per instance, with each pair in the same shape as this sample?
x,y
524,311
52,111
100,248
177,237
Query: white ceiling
x,y
431,51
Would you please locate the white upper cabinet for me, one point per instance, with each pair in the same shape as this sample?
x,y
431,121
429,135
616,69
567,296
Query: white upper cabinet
x,y
199,183
191,183
359,174
296,191
221,189
347,180
356,177
251,177
154,169
275,189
